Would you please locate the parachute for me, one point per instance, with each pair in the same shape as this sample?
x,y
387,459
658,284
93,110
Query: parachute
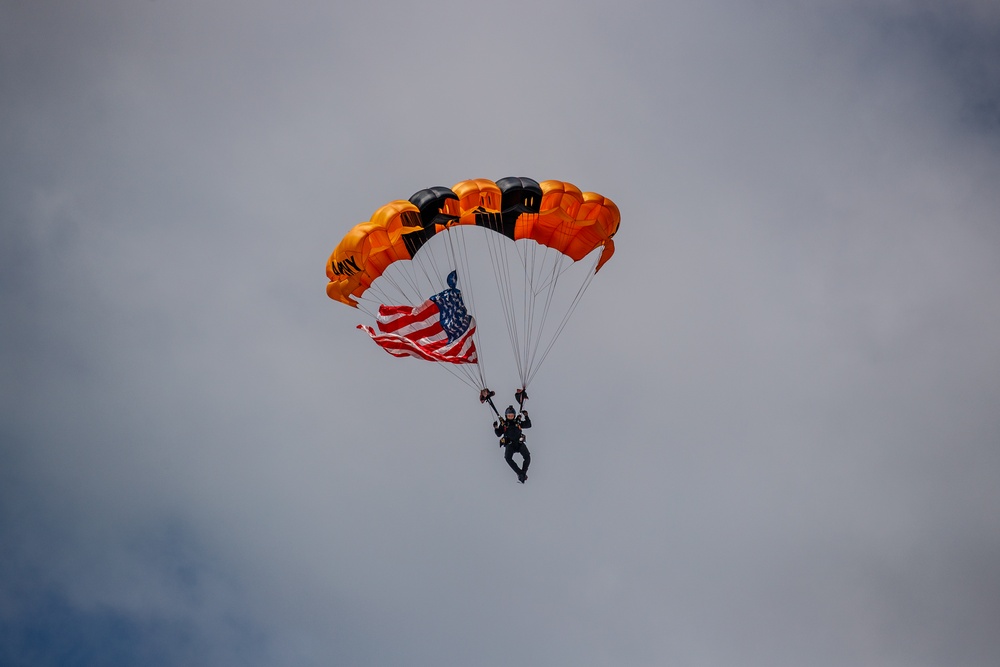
x,y
394,267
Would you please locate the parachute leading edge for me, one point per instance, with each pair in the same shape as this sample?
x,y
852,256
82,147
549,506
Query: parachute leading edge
x,y
555,214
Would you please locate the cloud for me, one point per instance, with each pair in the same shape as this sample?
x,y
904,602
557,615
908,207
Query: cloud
x,y
790,459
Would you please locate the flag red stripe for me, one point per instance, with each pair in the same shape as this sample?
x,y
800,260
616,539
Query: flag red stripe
x,y
393,318
460,351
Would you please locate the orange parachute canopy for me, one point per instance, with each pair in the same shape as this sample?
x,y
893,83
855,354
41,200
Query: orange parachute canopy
x,y
554,214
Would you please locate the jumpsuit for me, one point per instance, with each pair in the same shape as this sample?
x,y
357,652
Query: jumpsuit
x,y
509,431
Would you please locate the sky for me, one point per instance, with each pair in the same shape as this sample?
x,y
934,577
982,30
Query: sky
x,y
769,436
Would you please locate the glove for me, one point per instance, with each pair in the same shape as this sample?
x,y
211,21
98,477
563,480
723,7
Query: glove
x,y
525,413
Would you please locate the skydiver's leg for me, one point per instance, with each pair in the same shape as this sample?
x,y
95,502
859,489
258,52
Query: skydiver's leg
x,y
509,458
526,455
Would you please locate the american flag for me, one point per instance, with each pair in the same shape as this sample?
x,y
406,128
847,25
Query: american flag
x,y
439,329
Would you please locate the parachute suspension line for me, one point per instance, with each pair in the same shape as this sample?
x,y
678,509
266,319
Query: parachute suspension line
x,y
466,378
523,328
495,259
467,285
529,307
430,275
538,269
565,319
517,326
389,279
419,262
501,269
379,292
543,320
365,309
529,311
566,266
409,274
459,259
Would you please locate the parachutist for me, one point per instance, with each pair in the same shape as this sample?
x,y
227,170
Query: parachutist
x,y
512,440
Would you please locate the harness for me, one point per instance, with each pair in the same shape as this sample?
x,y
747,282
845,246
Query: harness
x,y
511,428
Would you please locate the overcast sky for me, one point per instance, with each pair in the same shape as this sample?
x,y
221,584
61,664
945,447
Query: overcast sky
x,y
770,436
